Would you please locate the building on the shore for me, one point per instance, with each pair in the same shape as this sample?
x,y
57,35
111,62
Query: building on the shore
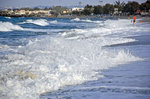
x,y
19,12
116,11
67,11
77,9
22,12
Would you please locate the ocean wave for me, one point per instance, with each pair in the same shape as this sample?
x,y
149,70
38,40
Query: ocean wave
x,y
40,22
85,20
8,17
76,19
47,64
54,21
103,28
8,26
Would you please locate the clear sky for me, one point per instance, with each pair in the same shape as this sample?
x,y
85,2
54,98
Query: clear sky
x,y
33,3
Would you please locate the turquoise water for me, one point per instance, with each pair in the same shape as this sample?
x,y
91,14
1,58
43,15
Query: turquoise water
x,y
74,58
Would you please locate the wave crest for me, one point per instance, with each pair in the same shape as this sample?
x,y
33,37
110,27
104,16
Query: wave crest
x,y
40,22
7,26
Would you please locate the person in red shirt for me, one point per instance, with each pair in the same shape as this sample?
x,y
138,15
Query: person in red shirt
x,y
134,19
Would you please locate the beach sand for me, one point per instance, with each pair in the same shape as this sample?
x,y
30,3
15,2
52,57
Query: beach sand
x,y
146,19
141,19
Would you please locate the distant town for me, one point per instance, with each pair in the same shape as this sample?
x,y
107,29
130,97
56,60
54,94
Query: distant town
x,y
118,9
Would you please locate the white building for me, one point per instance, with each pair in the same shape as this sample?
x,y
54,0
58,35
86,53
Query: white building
x,y
77,9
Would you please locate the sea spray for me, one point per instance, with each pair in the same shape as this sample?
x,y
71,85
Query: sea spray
x,y
8,26
40,22
47,63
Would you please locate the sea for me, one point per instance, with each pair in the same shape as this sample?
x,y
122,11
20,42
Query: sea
x,y
62,58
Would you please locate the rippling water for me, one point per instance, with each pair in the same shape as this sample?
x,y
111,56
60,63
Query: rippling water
x,y
73,58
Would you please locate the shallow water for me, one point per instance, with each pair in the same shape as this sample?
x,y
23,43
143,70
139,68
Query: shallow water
x,y
73,58
122,82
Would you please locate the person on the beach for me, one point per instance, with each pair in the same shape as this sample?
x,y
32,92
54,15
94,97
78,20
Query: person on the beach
x,y
134,19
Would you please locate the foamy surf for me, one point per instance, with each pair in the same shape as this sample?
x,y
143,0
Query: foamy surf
x,y
51,63
54,21
40,22
46,63
84,20
8,17
7,26
76,19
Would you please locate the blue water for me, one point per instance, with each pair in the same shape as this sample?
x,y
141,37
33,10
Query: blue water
x,y
54,58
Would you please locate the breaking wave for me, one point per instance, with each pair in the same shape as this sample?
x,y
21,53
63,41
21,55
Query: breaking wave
x,y
50,63
8,17
74,57
85,20
76,19
40,22
7,26
55,21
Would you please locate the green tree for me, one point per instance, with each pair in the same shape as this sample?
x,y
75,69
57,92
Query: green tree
x,y
145,6
131,7
76,12
36,8
27,8
119,5
88,9
46,8
108,8
98,9
59,9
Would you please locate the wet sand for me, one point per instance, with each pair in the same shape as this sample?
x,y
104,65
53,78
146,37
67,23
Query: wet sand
x,y
146,19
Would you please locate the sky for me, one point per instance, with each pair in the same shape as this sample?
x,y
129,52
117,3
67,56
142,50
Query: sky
x,y
34,3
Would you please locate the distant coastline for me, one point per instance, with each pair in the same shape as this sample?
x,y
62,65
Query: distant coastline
x,y
143,18
116,10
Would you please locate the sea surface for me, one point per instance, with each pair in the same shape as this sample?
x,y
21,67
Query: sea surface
x,y
54,58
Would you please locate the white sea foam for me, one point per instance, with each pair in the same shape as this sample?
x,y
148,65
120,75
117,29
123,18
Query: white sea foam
x,y
76,19
54,22
82,20
87,20
106,28
7,26
49,63
8,17
40,22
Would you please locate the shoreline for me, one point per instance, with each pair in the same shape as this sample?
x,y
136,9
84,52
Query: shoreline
x,y
146,19
143,19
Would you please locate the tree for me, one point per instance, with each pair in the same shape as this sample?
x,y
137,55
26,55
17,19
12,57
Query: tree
x,y
27,8
148,5
108,8
145,6
119,5
76,12
36,8
88,9
131,7
98,9
46,8
59,9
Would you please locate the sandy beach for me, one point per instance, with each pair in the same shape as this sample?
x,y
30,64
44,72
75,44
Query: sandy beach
x,y
145,19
